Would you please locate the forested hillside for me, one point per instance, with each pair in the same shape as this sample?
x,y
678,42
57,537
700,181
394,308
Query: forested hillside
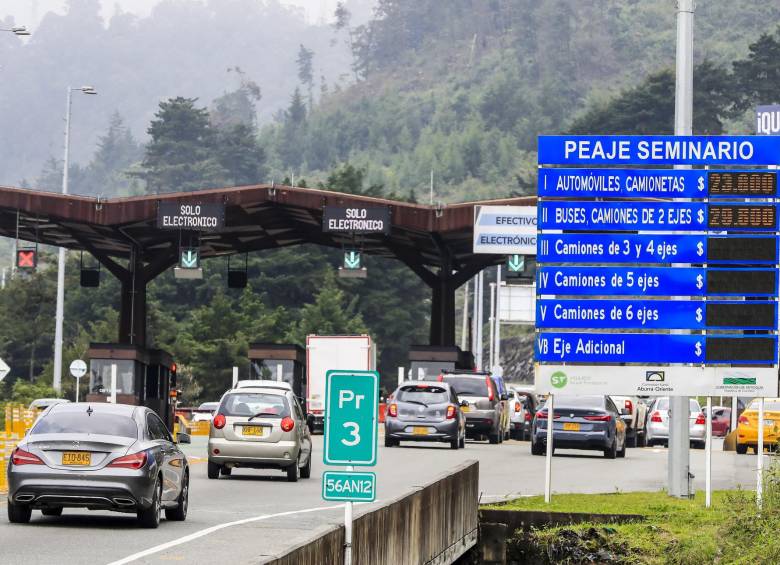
x,y
463,88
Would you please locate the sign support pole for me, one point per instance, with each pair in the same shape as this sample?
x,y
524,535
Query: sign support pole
x,y
497,354
708,456
78,380
113,383
760,455
548,457
348,527
491,322
679,438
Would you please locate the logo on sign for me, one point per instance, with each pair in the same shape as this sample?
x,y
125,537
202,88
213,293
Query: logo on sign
x,y
655,376
559,379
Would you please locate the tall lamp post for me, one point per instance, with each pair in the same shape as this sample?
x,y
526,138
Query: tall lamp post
x,y
57,381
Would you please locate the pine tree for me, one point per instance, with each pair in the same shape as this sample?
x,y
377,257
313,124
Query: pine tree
x,y
306,71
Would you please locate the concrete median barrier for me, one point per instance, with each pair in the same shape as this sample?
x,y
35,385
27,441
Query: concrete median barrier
x,y
434,523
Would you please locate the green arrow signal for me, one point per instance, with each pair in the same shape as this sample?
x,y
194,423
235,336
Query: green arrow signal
x,y
515,263
189,259
352,260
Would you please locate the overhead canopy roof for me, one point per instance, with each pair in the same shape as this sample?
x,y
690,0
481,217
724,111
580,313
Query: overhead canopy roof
x,y
256,218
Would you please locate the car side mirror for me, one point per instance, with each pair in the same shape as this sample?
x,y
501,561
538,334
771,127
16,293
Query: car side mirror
x,y
464,403
183,437
504,397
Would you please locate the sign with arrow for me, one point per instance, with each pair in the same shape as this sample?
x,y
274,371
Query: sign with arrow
x,y
352,259
515,264
190,258
4,369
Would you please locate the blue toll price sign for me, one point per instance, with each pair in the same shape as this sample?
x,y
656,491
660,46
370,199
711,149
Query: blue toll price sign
x,y
349,486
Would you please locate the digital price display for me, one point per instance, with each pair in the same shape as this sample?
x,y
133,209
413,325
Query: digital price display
x,y
745,349
747,249
741,315
742,216
742,183
742,282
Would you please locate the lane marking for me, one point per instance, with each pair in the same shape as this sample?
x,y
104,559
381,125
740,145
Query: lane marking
x,y
211,530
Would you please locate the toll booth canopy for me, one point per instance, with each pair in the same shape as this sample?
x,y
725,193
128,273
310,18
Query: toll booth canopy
x,y
144,377
280,362
429,361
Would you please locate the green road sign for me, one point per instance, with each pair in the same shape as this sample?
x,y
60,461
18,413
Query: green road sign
x,y
352,259
190,258
515,263
349,486
351,402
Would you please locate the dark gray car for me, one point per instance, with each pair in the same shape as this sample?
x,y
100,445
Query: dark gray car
x,y
481,403
101,457
425,411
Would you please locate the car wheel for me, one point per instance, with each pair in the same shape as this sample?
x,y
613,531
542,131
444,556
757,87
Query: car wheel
x,y
213,470
622,452
150,517
293,472
455,443
57,511
537,448
19,513
306,470
226,471
742,449
698,445
462,442
493,438
390,442
179,514
611,451
631,440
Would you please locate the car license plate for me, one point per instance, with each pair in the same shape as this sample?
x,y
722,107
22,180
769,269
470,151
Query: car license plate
x,y
420,431
571,427
77,458
464,408
769,422
256,431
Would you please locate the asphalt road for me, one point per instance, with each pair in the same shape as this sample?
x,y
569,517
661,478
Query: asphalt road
x,y
257,513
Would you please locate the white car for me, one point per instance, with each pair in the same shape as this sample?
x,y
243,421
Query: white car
x,y
657,425
42,404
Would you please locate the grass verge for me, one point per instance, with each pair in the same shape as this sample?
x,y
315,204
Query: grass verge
x,y
675,531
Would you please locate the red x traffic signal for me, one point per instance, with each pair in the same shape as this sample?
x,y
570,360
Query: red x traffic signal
x,y
26,258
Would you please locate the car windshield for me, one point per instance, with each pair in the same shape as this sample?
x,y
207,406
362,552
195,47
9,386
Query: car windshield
x,y
468,385
579,402
249,404
86,423
209,406
426,394
773,405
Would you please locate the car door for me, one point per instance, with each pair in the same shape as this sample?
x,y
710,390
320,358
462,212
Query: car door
x,y
171,459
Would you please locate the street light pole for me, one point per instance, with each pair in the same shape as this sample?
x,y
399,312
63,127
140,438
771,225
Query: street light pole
x,y
59,315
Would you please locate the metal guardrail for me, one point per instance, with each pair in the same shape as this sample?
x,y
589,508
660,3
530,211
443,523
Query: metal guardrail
x,y
434,524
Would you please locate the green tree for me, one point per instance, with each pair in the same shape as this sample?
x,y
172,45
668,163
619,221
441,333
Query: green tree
x,y
180,155
240,155
758,75
117,150
306,71
292,137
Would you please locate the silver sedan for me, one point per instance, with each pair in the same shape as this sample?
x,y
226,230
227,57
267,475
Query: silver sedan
x,y
101,457
657,424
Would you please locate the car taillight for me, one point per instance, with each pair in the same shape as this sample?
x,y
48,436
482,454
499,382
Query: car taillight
x,y
599,418
700,419
219,421
132,461
393,410
450,412
287,424
491,394
22,457
629,406
541,415
656,417
744,420
527,416
517,407
440,378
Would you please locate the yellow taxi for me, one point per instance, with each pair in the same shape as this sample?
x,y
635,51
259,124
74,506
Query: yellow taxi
x,y
747,425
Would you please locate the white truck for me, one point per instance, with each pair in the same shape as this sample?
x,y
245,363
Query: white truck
x,y
328,352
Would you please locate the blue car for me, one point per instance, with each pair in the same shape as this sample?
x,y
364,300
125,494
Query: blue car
x,y
581,422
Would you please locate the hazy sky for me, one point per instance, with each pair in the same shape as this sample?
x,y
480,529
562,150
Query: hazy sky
x,y
29,12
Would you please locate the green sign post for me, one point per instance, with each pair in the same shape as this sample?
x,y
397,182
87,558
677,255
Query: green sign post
x,y
352,259
190,258
351,404
349,487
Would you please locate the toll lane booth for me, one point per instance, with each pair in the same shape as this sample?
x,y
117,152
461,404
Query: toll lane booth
x,y
144,377
429,361
280,362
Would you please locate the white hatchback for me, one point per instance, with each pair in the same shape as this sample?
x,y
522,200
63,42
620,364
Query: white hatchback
x,y
657,424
